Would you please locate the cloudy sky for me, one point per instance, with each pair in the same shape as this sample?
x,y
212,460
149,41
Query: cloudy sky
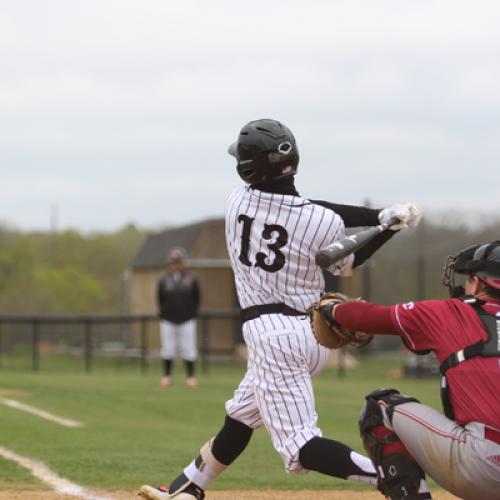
x,y
121,111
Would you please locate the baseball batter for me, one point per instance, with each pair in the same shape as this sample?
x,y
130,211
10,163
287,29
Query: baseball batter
x,y
406,439
272,236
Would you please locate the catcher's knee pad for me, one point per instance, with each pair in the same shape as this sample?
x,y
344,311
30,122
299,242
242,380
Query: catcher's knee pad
x,y
391,398
399,475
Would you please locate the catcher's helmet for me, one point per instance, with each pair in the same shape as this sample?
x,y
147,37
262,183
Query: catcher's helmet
x,y
482,261
266,151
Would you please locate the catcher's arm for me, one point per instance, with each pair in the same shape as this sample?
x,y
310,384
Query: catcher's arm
x,y
365,316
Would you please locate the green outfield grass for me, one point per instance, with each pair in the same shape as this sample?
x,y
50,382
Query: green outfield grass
x,y
136,432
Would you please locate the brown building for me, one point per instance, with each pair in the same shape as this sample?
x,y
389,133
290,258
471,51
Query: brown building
x,y
207,258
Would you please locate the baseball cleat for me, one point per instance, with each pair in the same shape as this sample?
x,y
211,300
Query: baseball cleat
x,y
166,381
191,382
161,493
154,492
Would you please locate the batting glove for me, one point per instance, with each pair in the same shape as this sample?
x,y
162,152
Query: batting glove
x,y
407,213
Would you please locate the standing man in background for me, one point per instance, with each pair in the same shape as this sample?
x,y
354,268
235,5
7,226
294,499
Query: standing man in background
x,y
178,297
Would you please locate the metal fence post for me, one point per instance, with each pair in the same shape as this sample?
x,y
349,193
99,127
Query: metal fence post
x,y
144,346
88,345
36,346
204,344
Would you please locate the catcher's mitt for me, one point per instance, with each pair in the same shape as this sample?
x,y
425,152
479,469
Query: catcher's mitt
x,y
327,331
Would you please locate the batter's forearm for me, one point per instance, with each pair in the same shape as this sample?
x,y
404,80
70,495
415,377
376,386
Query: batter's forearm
x,y
365,317
370,248
353,216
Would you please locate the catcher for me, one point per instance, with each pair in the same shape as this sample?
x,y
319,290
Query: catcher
x,y
405,439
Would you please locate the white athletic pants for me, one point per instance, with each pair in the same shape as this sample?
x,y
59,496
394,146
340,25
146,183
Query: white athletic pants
x,y
180,337
277,391
457,457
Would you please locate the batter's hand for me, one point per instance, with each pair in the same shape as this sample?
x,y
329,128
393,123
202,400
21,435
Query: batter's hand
x,y
407,213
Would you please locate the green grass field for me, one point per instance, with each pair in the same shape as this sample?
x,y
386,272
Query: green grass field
x,y
136,432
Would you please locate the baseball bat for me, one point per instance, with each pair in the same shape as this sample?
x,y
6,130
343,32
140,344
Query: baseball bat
x,y
342,248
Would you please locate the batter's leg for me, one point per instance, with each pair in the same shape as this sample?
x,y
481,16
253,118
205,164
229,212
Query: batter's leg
x,y
231,440
215,455
282,364
336,459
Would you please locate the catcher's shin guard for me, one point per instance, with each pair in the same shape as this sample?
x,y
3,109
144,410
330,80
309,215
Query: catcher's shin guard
x,y
399,475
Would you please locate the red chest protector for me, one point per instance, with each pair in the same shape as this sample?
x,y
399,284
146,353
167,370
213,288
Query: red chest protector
x,y
486,348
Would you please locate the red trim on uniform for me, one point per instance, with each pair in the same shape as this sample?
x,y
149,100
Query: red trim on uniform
x,y
492,434
426,424
406,336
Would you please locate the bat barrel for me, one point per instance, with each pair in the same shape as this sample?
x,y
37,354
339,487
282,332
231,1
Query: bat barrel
x,y
341,249
323,260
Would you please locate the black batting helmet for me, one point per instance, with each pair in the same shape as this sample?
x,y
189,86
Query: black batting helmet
x,y
482,261
266,151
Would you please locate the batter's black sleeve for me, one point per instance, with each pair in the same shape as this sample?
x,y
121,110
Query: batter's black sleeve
x,y
353,216
370,248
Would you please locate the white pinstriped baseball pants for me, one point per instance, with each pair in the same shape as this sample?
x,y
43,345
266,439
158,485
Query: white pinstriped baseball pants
x,y
277,390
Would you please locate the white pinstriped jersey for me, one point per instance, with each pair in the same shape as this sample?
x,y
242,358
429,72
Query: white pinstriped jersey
x,y
272,240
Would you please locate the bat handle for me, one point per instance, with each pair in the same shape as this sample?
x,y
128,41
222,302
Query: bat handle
x,y
392,222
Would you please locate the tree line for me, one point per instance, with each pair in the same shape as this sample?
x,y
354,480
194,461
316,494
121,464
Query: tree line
x,y
64,272
69,272
410,266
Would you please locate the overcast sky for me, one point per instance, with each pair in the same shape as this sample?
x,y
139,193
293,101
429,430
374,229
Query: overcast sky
x,y
122,111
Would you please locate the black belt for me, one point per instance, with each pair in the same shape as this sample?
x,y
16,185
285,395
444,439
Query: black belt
x,y
256,311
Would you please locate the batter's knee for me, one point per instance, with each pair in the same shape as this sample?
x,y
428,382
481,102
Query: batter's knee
x,y
399,475
231,440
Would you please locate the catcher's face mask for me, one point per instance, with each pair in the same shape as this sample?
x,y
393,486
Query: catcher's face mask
x,y
454,289
482,261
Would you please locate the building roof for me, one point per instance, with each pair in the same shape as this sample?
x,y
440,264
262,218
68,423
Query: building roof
x,y
192,237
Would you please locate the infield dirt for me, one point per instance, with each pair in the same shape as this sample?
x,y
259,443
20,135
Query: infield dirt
x,y
224,495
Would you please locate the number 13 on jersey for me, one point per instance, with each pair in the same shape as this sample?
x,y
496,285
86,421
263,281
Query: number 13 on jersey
x,y
275,238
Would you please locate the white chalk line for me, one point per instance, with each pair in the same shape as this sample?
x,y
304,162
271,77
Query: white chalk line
x,y
66,422
42,472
